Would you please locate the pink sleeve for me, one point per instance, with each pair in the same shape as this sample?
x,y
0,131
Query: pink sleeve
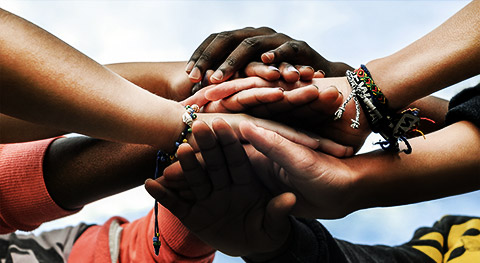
x,y
24,200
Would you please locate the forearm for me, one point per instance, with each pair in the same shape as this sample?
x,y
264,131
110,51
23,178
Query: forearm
x,y
447,55
446,163
45,81
433,108
16,130
165,79
80,170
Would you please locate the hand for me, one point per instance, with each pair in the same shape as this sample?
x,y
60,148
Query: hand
x,y
285,71
227,206
312,141
302,109
322,183
227,52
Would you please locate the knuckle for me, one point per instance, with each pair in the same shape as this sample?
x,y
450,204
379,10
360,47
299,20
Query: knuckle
x,y
206,56
282,36
225,35
231,61
251,42
294,45
267,30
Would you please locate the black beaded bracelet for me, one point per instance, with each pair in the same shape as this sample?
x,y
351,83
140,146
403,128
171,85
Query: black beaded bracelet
x,y
162,157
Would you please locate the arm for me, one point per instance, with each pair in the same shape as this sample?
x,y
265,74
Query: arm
x,y
45,81
445,56
45,180
98,102
373,179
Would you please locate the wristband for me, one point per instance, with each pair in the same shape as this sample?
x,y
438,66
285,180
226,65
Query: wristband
x,y
162,157
392,126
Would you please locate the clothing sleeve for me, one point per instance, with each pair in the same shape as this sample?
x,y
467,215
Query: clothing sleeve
x,y
310,242
24,200
121,241
465,106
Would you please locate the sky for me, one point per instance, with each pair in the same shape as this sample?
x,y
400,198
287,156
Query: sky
x,y
354,32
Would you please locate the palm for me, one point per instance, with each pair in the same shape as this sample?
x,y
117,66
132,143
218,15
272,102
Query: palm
x,y
241,207
222,201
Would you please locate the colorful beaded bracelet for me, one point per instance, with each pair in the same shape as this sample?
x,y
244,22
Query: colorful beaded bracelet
x,y
162,157
392,126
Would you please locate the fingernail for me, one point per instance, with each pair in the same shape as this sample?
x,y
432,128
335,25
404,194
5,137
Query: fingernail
x,y
315,86
269,56
293,69
308,67
189,66
321,71
218,75
195,74
148,179
272,68
281,89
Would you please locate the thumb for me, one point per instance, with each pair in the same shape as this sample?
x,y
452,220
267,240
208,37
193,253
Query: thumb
x,y
276,222
291,156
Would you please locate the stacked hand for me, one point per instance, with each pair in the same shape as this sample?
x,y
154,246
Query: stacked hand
x,y
223,54
224,202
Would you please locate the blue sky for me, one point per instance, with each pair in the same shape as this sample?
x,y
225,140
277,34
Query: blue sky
x,y
350,31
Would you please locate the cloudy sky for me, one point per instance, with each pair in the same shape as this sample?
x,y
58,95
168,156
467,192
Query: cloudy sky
x,y
350,31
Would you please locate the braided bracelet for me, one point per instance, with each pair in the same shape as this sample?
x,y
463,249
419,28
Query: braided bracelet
x,y
392,126
162,157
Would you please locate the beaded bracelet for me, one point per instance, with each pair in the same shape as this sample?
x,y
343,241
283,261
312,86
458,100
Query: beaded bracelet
x,y
392,126
162,157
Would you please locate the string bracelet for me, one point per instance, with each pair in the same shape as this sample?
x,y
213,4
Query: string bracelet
x,y
392,126
167,158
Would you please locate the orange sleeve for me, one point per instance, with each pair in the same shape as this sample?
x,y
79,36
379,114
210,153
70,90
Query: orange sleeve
x,y
24,200
97,243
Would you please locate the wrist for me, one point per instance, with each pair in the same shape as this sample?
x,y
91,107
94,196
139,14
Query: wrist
x,y
392,82
270,255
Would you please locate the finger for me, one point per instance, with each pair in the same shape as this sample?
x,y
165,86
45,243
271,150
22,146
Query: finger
x,y
248,50
167,198
330,147
212,155
239,166
198,96
219,49
319,74
320,108
194,173
246,99
267,72
289,73
198,52
293,99
276,221
228,88
306,72
289,133
292,51
175,185
292,156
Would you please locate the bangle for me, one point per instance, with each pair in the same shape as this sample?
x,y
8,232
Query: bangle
x,y
162,157
392,126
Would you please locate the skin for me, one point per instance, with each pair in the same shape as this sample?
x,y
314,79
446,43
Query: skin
x,y
322,186
431,63
228,52
227,199
98,102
